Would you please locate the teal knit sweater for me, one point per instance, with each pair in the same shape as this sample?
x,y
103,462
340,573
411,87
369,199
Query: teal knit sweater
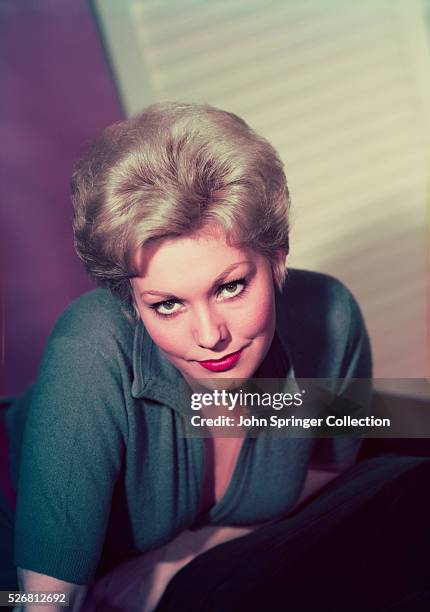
x,y
104,472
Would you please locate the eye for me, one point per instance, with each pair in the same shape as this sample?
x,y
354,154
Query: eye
x,y
166,308
232,289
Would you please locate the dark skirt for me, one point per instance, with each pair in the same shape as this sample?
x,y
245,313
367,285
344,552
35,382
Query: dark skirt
x,y
360,545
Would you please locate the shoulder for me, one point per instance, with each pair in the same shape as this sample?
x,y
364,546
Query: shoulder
x,y
91,345
304,287
96,319
321,320
322,299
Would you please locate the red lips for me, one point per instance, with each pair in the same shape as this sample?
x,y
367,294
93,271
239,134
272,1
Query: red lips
x,y
221,365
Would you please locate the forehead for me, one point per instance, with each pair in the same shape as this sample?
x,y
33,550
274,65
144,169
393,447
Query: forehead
x,y
189,262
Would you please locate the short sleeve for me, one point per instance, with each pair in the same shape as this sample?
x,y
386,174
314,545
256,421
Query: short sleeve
x,y
72,451
355,387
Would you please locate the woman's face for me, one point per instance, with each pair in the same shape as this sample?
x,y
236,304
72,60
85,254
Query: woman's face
x,y
210,307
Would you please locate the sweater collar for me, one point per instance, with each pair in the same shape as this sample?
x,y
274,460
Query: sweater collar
x,y
154,377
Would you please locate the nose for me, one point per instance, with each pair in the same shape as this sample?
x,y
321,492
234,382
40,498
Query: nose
x,y
209,327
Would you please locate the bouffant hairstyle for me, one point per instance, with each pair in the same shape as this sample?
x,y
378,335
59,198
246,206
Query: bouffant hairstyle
x,y
171,171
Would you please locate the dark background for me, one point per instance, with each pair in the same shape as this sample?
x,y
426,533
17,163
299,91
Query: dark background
x,y
56,94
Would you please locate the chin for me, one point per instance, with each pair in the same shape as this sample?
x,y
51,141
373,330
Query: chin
x,y
228,380
217,384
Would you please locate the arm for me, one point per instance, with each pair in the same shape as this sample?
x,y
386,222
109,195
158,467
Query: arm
x,y
33,581
332,456
71,457
315,480
142,580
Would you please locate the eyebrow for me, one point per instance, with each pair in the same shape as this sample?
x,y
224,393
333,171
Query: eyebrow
x,y
218,281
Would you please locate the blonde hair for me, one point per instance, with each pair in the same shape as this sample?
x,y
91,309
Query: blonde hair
x,y
171,171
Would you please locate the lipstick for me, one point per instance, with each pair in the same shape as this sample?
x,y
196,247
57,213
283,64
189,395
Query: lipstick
x,y
221,365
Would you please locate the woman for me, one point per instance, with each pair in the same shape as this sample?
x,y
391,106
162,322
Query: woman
x,y
181,214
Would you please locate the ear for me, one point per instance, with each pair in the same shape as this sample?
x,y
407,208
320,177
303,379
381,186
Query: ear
x,y
281,255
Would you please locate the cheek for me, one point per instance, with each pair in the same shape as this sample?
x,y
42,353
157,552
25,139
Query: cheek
x,y
259,316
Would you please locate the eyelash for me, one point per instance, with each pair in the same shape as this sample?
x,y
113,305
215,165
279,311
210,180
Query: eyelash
x,y
238,281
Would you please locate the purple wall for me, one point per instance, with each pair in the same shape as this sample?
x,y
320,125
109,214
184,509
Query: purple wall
x,y
56,95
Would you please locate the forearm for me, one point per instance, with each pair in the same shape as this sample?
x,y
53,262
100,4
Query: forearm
x,y
33,581
144,578
317,479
